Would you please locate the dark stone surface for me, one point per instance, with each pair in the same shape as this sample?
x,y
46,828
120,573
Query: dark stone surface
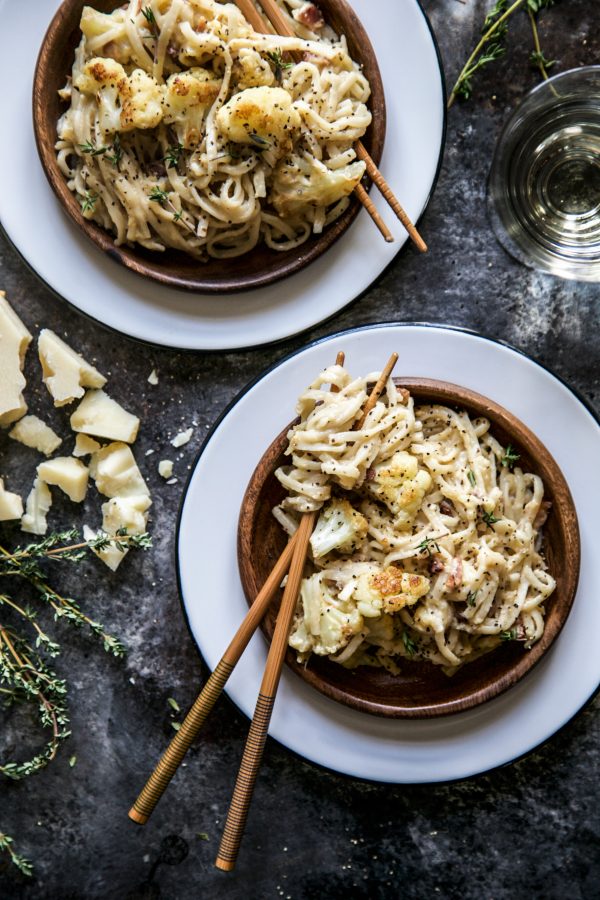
x,y
528,830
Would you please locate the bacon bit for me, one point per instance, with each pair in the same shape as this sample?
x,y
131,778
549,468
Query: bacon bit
x,y
370,474
319,61
521,634
542,515
405,395
157,169
173,52
139,7
310,16
200,25
435,565
447,508
455,577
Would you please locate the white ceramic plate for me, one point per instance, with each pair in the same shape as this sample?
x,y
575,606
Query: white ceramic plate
x,y
307,722
70,264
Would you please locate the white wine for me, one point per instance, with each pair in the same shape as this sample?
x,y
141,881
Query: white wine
x,y
544,187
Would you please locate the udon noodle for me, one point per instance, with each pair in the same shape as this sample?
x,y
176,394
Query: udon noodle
x,y
187,129
428,542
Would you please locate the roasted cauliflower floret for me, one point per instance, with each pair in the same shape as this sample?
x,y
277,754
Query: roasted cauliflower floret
x,y
400,484
251,70
263,117
125,102
327,623
99,31
387,590
188,97
311,182
340,527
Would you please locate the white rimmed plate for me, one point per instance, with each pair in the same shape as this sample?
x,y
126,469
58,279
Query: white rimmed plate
x,y
305,721
140,308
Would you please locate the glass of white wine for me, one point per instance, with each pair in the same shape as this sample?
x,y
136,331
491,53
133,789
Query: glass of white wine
x,y
544,183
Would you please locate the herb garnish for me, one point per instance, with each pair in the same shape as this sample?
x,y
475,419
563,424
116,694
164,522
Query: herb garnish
x,y
472,597
261,142
279,65
509,635
427,545
117,152
25,673
471,477
150,18
159,196
173,155
409,644
491,45
510,457
90,147
489,518
88,202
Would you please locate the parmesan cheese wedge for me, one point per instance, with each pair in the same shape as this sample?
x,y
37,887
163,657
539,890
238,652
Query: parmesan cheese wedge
x,y
116,472
11,505
67,473
99,415
84,445
34,433
38,503
65,372
14,341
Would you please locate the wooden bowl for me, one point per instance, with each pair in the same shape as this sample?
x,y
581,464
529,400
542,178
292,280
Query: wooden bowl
x,y
422,690
259,267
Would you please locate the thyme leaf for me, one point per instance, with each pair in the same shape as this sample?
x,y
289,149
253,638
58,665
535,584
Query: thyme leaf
x,y
510,457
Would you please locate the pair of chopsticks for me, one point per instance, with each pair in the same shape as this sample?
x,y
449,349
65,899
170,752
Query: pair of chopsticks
x,y
281,26
292,561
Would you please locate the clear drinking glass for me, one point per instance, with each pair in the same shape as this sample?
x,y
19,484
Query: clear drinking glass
x,y
544,183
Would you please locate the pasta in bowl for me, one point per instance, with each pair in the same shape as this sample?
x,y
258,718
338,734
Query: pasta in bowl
x,y
198,151
445,557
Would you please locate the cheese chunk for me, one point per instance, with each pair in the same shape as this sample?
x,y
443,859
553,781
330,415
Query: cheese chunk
x,y
116,472
85,446
165,468
11,505
182,437
120,513
101,416
65,372
34,433
14,341
38,503
67,473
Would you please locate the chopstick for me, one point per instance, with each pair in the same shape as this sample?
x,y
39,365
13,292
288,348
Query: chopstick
x,y
170,761
281,26
257,735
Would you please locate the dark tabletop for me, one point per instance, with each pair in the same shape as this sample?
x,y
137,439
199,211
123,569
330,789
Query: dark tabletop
x,y
530,829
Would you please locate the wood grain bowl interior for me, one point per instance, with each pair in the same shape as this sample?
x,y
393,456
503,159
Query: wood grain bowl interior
x,y
422,690
261,266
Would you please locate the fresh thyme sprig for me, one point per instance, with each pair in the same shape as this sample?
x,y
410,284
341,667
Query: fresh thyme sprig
x,y
90,147
148,14
491,45
6,845
25,674
279,64
159,196
427,545
409,645
510,457
88,201
489,518
173,155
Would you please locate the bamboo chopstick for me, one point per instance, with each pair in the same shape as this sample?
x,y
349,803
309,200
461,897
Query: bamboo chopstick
x,y
281,26
257,735
169,762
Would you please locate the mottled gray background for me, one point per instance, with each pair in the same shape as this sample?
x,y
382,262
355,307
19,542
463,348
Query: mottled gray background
x,y
528,830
